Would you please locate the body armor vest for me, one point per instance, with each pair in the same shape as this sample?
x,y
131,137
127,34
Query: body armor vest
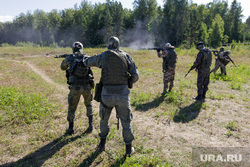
x,y
170,60
115,69
207,58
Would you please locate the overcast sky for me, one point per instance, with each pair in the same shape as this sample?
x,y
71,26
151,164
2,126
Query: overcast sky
x,y
10,9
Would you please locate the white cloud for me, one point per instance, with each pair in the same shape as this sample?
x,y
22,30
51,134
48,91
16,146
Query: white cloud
x,y
6,18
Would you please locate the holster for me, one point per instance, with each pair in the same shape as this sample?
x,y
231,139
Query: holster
x,y
98,91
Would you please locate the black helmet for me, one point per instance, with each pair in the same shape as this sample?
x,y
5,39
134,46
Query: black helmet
x,y
221,49
113,43
199,45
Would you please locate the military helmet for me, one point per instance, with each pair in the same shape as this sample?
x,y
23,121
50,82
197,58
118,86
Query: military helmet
x,y
227,52
113,43
77,46
221,49
199,45
168,46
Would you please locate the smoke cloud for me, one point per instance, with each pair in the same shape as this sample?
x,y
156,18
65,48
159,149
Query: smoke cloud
x,y
138,38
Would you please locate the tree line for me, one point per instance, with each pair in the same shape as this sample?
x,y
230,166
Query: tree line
x,y
180,22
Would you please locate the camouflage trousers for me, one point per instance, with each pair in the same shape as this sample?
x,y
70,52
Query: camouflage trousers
x,y
123,110
203,79
168,78
217,65
76,91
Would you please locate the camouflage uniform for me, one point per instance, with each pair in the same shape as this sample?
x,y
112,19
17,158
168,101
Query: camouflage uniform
x,y
169,60
221,62
202,64
117,69
80,85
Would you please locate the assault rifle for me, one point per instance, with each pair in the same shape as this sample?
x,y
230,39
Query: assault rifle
x,y
189,71
158,49
227,57
215,52
62,56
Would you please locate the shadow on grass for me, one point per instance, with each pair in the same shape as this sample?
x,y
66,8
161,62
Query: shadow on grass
x,y
188,113
119,162
90,159
44,153
149,105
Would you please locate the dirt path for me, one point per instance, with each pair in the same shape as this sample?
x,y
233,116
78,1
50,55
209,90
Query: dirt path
x,y
45,77
41,74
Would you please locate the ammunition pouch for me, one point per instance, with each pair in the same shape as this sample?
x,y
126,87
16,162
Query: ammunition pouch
x,y
98,91
130,83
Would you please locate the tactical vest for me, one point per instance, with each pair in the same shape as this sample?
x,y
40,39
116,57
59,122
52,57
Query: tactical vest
x,y
207,58
115,68
170,60
78,72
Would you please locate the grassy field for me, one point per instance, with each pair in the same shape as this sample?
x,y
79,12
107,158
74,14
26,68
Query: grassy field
x,y
33,111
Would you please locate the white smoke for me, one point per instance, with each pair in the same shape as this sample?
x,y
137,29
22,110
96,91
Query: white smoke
x,y
137,38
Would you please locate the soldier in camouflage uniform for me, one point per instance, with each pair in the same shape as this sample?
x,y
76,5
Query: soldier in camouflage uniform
x,y
80,78
118,71
169,60
202,64
221,61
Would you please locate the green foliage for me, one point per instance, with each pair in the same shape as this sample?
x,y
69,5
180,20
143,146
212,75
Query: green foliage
x,y
236,76
232,126
18,107
233,45
26,44
174,97
236,86
229,133
140,98
216,31
5,45
145,160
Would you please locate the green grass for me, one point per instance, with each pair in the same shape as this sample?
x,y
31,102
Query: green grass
x,y
33,115
19,107
233,126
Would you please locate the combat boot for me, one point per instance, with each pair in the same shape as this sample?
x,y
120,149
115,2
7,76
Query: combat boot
x,y
170,89
70,129
90,128
199,97
129,150
204,95
101,146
